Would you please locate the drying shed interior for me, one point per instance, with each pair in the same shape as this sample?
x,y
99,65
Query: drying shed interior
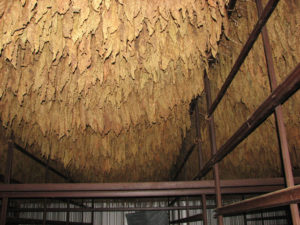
x,y
110,91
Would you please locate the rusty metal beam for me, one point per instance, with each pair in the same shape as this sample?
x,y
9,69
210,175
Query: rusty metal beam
x,y
139,186
124,194
213,145
138,194
281,131
187,156
287,88
271,5
278,198
194,218
13,181
103,209
36,159
158,189
175,185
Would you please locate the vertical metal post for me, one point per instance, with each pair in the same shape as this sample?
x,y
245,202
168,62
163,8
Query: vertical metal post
x,y
245,219
45,212
262,218
93,206
123,206
82,212
187,209
186,198
288,215
169,211
7,178
281,131
4,210
45,200
244,214
198,132
204,211
213,144
68,212
178,210
173,214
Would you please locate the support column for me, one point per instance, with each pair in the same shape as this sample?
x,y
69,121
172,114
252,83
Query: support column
x,y
213,144
82,212
173,214
7,178
281,131
198,132
93,206
68,212
187,209
178,217
244,214
262,218
200,160
45,200
204,211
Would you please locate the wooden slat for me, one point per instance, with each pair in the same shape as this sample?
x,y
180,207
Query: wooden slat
x,y
278,198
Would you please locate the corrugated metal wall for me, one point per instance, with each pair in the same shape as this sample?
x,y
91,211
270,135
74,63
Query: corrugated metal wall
x,y
119,218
